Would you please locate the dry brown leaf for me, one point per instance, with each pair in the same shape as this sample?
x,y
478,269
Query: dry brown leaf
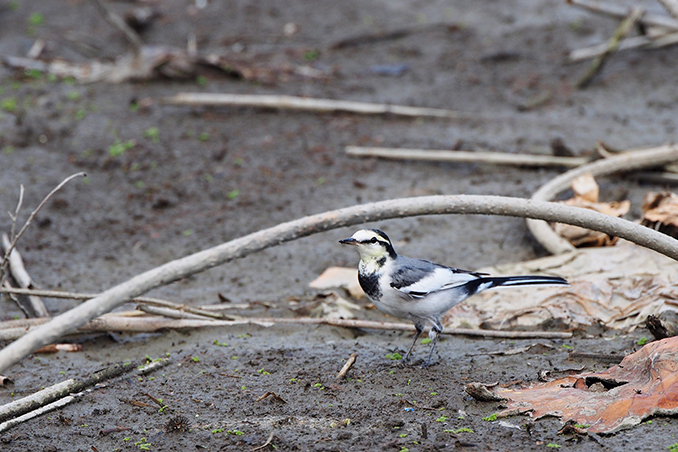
x,y
339,277
660,212
585,188
612,287
586,193
331,305
642,385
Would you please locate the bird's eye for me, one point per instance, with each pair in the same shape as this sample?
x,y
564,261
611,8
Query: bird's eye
x,y
373,240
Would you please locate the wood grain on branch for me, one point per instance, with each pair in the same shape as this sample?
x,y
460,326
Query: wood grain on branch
x,y
285,232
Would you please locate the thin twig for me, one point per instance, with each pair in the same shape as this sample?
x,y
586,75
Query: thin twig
x,y
7,288
633,42
624,28
268,441
496,158
204,311
349,363
624,162
399,33
283,102
5,259
271,394
285,232
16,211
174,313
12,329
621,11
119,23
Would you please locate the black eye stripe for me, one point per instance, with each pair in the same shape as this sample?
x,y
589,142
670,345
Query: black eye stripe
x,y
373,240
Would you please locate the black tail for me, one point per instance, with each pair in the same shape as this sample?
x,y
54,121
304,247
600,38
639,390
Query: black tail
x,y
488,282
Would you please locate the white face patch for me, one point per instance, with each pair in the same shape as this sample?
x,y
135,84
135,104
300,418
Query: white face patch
x,y
365,235
370,250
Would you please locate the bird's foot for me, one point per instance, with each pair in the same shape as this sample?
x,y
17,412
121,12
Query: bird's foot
x,y
428,363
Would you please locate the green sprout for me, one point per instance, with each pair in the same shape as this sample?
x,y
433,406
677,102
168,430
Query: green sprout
x,y
220,344
554,445
8,104
118,147
153,133
426,340
642,341
195,358
394,356
490,418
233,194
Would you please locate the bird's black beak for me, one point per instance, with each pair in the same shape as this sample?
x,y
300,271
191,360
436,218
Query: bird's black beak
x,y
349,241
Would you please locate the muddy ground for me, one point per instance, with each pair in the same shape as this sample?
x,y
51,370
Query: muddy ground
x,y
213,174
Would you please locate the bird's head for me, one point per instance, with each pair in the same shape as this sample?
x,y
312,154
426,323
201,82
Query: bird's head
x,y
372,244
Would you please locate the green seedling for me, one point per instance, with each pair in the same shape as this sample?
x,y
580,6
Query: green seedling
x,y
394,356
153,133
492,417
642,341
442,418
8,105
554,445
220,344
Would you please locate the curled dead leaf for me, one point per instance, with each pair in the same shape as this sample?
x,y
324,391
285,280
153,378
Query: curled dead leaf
x,y
644,384
660,212
586,194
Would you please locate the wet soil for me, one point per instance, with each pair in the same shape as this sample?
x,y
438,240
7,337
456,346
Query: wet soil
x,y
213,174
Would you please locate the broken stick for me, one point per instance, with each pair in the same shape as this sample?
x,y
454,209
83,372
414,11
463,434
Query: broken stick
x,y
344,370
494,158
282,102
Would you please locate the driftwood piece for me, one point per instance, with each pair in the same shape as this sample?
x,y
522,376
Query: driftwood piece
x,y
627,161
13,329
282,102
398,208
59,390
61,394
35,306
620,33
495,158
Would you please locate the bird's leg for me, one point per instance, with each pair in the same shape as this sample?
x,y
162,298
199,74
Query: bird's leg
x,y
433,335
420,329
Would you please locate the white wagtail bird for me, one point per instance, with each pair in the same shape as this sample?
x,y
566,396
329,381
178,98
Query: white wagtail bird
x,y
420,290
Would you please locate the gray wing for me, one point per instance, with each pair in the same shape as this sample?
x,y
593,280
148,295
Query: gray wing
x,y
418,277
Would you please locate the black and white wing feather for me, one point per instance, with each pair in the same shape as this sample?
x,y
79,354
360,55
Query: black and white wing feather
x,y
418,278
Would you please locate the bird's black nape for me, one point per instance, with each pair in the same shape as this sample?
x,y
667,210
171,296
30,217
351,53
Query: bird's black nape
x,y
387,243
